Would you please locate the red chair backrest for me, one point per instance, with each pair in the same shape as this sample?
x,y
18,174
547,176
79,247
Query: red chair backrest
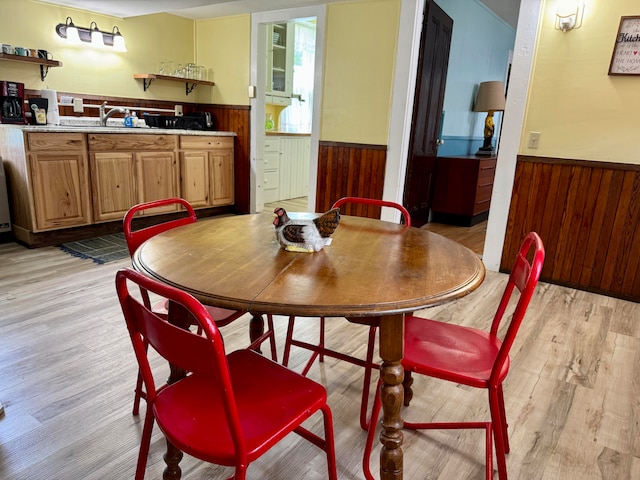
x,y
375,203
524,277
203,354
136,238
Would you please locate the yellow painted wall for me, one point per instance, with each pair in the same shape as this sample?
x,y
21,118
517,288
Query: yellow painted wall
x,y
360,46
224,44
150,39
580,110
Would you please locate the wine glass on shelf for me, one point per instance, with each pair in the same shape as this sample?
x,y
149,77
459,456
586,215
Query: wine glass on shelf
x,y
163,69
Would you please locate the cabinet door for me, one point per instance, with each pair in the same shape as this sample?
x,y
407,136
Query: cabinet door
x,y
221,177
114,184
157,178
60,190
280,45
194,173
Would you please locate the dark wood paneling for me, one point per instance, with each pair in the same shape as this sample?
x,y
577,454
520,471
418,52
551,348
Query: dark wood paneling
x,y
347,169
587,215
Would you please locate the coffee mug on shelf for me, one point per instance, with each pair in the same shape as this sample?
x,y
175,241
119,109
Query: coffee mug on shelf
x,y
45,55
8,49
33,53
23,52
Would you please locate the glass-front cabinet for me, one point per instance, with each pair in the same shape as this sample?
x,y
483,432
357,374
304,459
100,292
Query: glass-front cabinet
x,y
280,38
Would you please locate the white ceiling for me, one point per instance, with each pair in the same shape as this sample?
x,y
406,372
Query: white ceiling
x,y
199,9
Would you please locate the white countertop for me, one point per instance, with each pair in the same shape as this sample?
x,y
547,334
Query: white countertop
x,y
89,125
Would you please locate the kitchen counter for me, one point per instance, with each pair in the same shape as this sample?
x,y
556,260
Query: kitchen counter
x,y
114,129
275,133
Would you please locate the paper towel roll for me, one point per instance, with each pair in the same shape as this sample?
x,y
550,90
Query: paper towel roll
x,y
53,116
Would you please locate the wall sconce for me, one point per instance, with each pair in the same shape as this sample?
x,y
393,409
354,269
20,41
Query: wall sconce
x,y
569,16
92,35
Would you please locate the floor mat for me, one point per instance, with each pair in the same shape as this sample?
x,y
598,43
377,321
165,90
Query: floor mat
x,y
99,249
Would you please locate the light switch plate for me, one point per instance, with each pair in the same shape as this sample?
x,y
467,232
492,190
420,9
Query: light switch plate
x,y
534,139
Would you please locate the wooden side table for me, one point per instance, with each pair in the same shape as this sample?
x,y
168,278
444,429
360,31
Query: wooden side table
x,y
463,186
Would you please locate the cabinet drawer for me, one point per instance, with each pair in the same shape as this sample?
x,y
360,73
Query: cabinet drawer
x,y
487,170
205,142
271,144
271,180
55,141
271,161
108,142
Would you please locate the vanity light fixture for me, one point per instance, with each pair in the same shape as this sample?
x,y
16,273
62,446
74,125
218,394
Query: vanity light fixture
x,y
72,32
118,40
97,40
92,35
569,16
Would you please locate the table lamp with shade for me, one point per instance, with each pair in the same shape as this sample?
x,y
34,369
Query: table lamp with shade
x,y
490,99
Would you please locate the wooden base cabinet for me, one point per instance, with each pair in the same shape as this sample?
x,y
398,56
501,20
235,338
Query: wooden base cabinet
x,y
463,187
130,169
59,180
206,170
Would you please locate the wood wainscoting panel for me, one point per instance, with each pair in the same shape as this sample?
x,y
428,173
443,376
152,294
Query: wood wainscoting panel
x,y
348,169
587,215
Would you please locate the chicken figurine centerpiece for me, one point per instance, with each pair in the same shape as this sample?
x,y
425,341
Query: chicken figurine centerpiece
x,y
305,235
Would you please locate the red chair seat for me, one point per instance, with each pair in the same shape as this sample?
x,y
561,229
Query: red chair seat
x,y
195,415
451,352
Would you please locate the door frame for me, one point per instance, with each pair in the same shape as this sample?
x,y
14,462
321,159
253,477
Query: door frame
x,y
258,79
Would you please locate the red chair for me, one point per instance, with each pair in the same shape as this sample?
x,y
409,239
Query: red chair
x,y
319,351
231,408
135,238
471,357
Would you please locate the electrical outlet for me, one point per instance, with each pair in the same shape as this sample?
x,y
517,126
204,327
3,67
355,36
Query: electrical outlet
x,y
534,139
178,110
78,106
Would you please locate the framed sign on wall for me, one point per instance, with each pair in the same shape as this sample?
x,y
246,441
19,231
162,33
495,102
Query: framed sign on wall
x,y
625,59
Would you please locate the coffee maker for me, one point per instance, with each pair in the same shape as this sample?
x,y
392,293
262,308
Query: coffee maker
x,y
12,103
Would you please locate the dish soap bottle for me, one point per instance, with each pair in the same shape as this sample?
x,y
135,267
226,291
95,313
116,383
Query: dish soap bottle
x,y
134,119
128,122
268,123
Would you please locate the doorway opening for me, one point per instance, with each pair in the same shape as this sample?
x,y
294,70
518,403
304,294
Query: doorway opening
x,y
287,71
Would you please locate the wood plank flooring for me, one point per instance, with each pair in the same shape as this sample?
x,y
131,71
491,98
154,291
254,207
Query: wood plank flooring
x,y
68,373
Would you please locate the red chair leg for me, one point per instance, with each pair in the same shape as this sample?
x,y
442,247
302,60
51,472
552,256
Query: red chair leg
x,y
503,413
329,445
144,445
498,433
139,394
371,432
364,404
272,338
287,342
321,342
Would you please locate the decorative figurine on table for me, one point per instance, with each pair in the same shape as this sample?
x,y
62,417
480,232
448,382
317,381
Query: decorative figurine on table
x,y
305,234
489,128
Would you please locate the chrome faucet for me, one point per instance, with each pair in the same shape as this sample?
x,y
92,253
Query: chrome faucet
x,y
104,116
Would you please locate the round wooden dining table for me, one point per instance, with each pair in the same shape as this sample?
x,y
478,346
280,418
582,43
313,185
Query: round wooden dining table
x,y
372,268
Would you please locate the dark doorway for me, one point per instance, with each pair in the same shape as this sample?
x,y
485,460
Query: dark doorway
x,y
427,112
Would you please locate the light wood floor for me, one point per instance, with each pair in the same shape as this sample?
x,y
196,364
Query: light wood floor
x,y
67,378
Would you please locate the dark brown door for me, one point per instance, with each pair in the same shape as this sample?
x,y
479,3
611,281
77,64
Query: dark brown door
x,y
427,112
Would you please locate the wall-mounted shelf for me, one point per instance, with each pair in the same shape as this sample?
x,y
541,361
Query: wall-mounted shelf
x,y
190,83
44,63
